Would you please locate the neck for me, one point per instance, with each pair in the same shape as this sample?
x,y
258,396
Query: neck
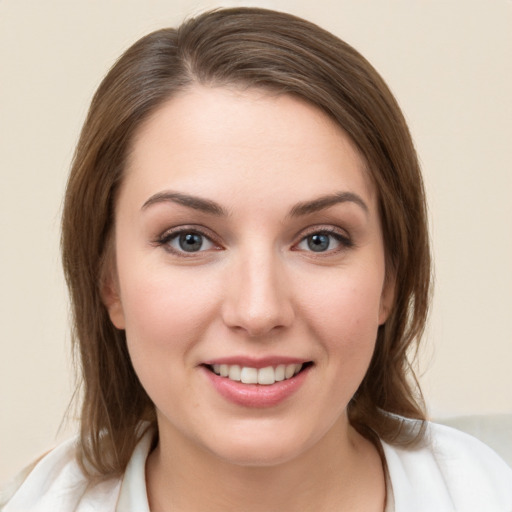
x,y
342,471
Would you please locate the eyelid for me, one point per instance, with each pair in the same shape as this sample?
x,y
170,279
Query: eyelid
x,y
171,233
323,228
341,235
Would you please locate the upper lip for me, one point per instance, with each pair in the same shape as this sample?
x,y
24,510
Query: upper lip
x,y
256,362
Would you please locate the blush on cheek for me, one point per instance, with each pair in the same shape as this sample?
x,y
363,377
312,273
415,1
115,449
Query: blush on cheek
x,y
167,311
354,324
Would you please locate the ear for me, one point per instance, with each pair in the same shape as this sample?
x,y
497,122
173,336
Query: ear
x,y
112,300
387,298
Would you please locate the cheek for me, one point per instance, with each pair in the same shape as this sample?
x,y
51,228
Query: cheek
x,y
165,310
166,317
345,313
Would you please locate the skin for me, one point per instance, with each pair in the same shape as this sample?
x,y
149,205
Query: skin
x,y
256,288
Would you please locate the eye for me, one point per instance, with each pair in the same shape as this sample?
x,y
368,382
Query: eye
x,y
187,242
324,241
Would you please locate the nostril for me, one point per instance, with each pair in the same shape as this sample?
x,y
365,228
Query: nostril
x,y
257,298
258,325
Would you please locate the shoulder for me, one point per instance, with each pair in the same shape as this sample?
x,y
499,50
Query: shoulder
x,y
449,471
56,482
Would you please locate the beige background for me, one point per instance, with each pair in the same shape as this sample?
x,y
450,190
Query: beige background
x,y
448,62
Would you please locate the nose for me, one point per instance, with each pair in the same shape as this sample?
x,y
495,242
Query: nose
x,y
258,297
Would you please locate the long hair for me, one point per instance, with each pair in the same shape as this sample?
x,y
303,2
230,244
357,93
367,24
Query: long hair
x,y
248,48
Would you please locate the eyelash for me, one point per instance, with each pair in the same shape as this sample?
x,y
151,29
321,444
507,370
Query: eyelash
x,y
168,236
345,242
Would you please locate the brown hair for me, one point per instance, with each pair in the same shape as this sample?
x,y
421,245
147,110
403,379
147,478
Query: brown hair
x,y
245,47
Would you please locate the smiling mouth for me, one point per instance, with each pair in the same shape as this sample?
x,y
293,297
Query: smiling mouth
x,y
264,376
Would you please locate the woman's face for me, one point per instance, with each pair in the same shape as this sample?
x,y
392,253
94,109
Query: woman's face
x,y
248,246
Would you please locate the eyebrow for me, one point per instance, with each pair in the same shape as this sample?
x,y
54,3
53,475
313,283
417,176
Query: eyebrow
x,y
323,202
211,207
194,202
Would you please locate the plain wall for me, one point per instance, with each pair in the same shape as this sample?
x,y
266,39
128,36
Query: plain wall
x,y
450,66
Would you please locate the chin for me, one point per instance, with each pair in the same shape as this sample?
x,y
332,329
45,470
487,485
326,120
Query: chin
x,y
250,456
260,450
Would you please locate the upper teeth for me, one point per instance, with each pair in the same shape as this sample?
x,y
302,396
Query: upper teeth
x,y
247,375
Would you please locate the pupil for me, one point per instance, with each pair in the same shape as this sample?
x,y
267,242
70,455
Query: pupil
x,y
191,242
318,243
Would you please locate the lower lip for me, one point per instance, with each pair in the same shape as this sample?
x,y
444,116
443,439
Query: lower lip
x,y
256,395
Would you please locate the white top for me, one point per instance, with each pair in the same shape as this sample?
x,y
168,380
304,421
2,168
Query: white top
x,y
454,472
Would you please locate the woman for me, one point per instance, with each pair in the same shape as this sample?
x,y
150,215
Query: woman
x,y
245,242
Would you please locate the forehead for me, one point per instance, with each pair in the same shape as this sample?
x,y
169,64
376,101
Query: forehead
x,y
253,137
